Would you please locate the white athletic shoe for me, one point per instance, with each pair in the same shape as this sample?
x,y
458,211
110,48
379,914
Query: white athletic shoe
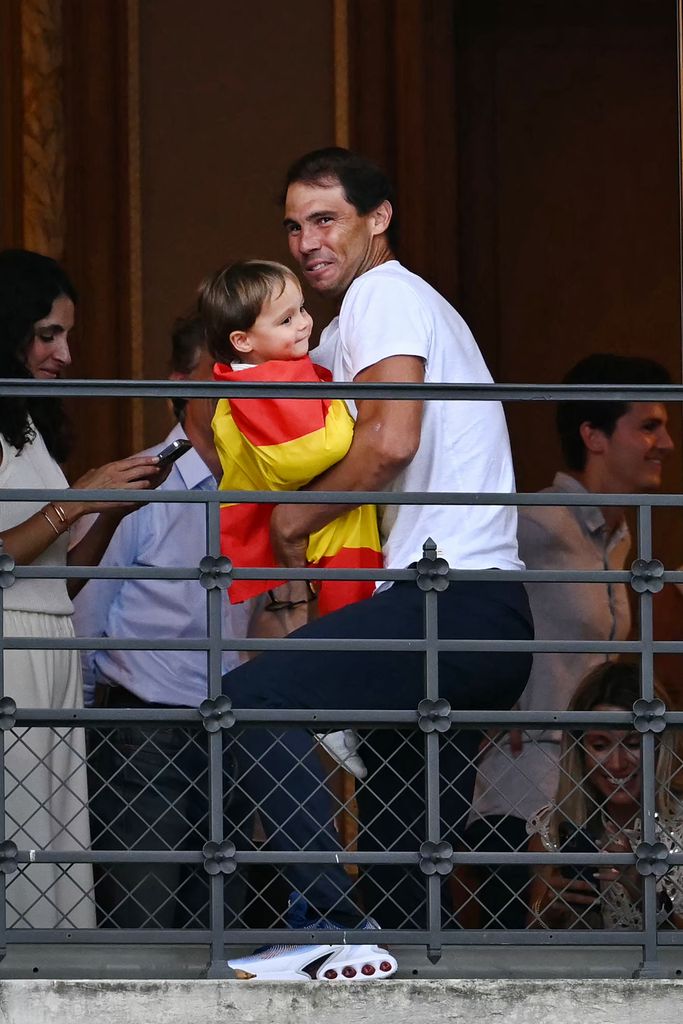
x,y
343,746
317,962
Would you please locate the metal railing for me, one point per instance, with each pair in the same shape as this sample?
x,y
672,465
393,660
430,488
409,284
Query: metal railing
x,y
218,860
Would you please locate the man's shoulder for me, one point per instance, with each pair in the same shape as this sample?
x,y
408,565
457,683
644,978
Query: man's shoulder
x,y
388,278
549,522
392,295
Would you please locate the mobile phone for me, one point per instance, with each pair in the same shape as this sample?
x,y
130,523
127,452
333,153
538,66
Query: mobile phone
x,y
173,451
577,841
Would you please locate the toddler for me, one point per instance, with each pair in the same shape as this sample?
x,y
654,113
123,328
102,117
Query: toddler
x,y
258,330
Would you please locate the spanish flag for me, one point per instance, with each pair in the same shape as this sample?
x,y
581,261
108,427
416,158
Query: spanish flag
x,y
281,444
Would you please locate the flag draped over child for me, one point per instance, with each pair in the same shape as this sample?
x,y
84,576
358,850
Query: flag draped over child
x,y
281,444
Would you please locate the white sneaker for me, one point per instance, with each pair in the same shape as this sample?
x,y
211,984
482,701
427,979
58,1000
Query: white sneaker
x,y
326,963
317,962
343,746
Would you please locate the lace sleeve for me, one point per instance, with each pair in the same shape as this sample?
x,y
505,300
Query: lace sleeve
x,y
539,825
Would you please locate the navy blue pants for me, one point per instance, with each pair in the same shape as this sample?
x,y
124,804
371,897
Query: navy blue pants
x,y
282,775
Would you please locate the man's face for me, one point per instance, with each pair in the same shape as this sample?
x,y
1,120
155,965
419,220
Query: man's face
x,y
633,455
332,243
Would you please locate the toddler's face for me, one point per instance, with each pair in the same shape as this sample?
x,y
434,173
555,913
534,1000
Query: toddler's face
x,y
282,329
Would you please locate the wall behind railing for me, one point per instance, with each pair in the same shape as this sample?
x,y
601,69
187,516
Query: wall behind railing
x,y
534,147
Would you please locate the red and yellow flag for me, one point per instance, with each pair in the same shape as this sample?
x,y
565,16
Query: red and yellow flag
x,y
281,444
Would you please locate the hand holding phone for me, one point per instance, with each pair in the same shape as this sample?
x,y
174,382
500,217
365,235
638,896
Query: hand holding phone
x,y
578,841
168,455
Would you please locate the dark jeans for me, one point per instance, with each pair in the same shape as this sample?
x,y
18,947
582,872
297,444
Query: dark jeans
x,y
280,772
149,789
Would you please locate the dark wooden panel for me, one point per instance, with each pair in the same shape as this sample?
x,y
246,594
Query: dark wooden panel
x,y
97,216
402,114
230,94
568,192
11,111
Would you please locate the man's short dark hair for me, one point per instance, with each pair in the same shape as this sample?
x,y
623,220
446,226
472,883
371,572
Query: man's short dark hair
x,y
365,184
601,368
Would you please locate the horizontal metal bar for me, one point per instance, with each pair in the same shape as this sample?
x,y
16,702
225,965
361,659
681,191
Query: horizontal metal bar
x,y
18,643
309,573
307,716
277,857
534,498
406,392
242,936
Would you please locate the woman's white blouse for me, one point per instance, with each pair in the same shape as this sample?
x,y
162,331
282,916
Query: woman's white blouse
x,y
33,467
617,908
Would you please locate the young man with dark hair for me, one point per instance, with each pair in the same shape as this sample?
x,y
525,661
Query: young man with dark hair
x,y
609,448
392,327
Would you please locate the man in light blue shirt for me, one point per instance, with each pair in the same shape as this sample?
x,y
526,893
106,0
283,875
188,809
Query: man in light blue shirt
x,y
148,786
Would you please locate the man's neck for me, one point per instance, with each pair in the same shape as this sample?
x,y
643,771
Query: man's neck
x,y
380,253
592,480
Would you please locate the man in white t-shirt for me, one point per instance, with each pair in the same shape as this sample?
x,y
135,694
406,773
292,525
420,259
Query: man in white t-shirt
x,y
392,327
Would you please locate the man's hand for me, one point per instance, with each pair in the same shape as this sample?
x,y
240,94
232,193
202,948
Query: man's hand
x,y
288,542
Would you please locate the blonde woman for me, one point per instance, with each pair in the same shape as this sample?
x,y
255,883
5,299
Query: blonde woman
x,y
597,808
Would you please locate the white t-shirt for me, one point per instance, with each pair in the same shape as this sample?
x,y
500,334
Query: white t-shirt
x,y
464,445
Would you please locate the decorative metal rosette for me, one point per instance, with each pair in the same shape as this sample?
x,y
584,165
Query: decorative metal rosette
x,y
219,858
8,713
436,858
217,713
8,857
7,567
432,572
434,715
646,576
652,859
649,715
215,572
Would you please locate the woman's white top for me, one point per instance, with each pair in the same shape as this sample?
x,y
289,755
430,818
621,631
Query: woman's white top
x,y
33,467
617,907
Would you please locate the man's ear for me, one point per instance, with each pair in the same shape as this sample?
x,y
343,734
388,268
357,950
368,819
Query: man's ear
x,y
240,341
381,217
594,439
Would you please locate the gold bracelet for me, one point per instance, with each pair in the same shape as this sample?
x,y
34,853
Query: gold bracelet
x,y
43,513
61,514
539,905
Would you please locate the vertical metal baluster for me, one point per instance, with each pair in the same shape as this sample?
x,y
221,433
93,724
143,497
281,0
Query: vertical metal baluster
x,y
3,836
215,597
650,966
432,782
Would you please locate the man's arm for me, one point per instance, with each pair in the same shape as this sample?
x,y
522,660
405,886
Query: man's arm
x,y
385,440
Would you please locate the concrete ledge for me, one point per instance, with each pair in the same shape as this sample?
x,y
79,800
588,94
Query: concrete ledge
x,y
428,1002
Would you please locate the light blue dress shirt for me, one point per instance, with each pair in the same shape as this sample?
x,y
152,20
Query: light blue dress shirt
x,y
162,535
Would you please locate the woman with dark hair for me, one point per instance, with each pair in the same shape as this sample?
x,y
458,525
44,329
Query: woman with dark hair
x,y
45,776
597,808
